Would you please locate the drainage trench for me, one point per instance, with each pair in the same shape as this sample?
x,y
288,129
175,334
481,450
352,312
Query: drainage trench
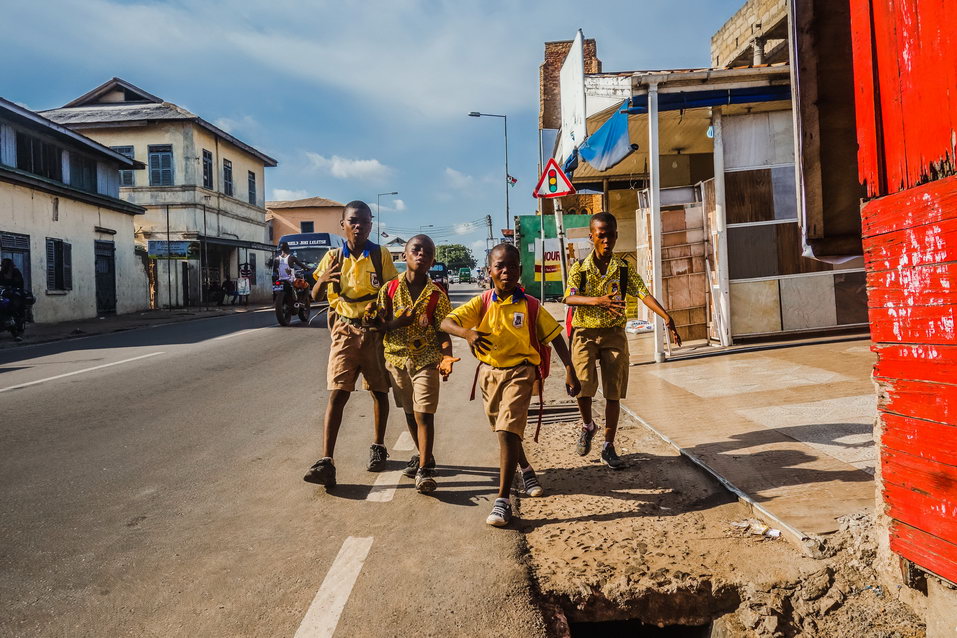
x,y
636,629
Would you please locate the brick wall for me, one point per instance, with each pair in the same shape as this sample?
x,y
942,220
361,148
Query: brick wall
x,y
754,18
549,100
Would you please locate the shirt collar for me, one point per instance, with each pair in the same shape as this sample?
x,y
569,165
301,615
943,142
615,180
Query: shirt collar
x,y
589,264
365,250
517,295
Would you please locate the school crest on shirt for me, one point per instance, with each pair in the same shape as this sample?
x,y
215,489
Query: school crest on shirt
x,y
374,280
518,319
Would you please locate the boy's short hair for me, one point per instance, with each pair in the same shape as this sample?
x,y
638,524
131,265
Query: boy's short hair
x,y
420,236
509,248
604,218
357,205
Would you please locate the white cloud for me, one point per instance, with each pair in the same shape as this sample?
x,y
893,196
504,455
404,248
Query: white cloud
x,y
246,123
398,204
345,168
457,179
464,229
395,206
283,194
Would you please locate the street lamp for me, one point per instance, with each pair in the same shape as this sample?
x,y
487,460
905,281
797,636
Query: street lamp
x,y
378,220
508,216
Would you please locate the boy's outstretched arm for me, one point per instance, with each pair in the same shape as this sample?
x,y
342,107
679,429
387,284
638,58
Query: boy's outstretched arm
x,y
572,385
657,308
475,339
608,302
448,359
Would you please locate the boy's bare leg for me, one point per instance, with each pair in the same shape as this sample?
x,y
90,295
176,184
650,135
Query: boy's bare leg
x,y
413,426
426,436
584,406
330,429
509,448
612,413
380,414
522,459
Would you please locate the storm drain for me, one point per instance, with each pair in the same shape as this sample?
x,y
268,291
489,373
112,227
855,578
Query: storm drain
x,y
554,413
635,629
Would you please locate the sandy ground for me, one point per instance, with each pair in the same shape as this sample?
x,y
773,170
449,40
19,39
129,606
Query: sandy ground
x,y
655,542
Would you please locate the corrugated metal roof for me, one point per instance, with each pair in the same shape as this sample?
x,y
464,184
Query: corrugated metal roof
x,y
309,202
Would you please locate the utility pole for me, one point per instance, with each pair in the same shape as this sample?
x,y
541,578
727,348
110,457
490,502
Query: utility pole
x,y
169,269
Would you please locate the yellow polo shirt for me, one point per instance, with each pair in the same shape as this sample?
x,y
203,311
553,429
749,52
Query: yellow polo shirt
x,y
357,279
504,321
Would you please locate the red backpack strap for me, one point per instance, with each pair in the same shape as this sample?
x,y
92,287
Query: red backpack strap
x,y
430,308
486,301
534,306
391,289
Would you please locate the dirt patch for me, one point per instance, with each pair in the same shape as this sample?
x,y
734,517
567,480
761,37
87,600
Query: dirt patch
x,y
655,542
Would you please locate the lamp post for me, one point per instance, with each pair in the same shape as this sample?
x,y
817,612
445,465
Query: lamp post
x,y
378,217
508,216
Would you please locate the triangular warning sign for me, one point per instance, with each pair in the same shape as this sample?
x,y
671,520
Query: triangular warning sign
x,y
553,182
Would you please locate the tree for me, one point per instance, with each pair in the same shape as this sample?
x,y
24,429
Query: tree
x,y
455,256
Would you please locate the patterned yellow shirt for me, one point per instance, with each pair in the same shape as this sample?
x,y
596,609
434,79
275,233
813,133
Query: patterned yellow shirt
x,y
416,346
598,285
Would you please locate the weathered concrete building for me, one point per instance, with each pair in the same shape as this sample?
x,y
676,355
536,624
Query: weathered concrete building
x,y
62,221
756,34
203,190
310,215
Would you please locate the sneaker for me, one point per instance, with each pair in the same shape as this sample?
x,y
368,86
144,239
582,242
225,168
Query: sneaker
x,y
425,480
584,440
531,485
412,466
610,458
501,513
377,456
322,473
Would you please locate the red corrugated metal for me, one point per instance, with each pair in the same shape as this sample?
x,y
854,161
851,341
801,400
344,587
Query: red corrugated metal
x,y
905,70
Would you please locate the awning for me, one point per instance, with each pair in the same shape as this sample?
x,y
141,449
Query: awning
x,y
713,97
237,243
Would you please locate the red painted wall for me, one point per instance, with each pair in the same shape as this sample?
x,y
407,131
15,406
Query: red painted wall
x,y
905,66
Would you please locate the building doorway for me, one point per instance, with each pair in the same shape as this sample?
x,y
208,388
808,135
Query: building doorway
x,y
105,266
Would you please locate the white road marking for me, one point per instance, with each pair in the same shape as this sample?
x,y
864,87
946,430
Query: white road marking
x,y
384,488
235,334
322,617
70,374
404,443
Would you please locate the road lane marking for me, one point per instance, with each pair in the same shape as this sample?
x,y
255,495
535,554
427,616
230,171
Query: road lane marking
x,y
236,334
70,374
322,617
404,443
384,488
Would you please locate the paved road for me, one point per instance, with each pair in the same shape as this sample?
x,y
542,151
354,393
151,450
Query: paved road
x,y
151,485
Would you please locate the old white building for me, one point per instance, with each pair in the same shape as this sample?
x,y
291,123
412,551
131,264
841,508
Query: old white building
x,y
203,190
62,221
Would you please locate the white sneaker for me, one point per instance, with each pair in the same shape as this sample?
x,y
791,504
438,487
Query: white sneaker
x,y
501,513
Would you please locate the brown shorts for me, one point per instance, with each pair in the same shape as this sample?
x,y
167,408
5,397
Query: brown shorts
x,y
507,393
353,351
609,348
417,391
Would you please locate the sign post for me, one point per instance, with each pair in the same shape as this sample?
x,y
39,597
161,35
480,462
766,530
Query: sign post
x,y
552,184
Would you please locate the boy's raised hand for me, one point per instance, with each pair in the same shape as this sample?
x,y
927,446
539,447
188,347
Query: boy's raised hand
x,y
331,274
674,331
611,303
478,342
572,385
445,366
402,318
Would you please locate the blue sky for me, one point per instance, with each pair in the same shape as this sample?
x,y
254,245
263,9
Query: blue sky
x,y
353,98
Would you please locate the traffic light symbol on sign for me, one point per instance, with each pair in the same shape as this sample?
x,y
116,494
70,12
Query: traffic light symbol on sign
x,y
552,181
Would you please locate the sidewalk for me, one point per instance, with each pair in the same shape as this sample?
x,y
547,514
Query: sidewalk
x,y
46,332
788,429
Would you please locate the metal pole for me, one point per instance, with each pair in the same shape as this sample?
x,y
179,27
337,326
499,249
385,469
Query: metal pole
x,y
560,231
655,193
541,215
169,270
378,219
508,213
723,297
205,265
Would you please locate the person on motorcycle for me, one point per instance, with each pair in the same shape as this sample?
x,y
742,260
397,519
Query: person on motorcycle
x,y
12,278
286,269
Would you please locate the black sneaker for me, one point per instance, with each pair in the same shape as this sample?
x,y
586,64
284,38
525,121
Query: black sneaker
x,y
322,473
531,485
584,440
501,513
425,480
377,456
610,458
412,466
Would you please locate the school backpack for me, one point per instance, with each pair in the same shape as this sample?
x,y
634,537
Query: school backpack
x,y
544,350
393,286
622,288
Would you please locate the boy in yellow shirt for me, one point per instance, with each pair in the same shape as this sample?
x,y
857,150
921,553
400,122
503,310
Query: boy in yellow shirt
x,y
416,352
597,286
354,274
496,327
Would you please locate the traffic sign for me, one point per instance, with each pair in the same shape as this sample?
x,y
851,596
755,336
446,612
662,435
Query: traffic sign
x,y
553,182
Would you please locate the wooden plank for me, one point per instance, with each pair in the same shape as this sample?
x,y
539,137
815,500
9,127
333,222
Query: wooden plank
x,y
932,401
914,324
888,78
924,286
921,492
932,363
923,439
927,204
869,155
921,245
926,550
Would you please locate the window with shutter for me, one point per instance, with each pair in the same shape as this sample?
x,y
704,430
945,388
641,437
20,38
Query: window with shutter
x,y
67,262
126,177
59,265
51,264
207,169
251,182
161,164
227,178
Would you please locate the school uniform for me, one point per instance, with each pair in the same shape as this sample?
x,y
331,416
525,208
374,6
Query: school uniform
x,y
354,350
598,335
507,370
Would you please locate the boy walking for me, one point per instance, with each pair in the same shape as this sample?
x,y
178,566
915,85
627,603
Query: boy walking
x,y
498,327
416,352
596,288
354,275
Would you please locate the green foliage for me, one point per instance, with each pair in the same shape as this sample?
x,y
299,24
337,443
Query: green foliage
x,y
455,256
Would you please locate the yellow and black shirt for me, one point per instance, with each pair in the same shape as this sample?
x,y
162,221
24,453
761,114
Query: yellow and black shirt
x,y
417,345
598,285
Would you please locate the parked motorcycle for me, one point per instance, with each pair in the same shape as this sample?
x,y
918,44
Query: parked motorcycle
x,y
298,303
14,305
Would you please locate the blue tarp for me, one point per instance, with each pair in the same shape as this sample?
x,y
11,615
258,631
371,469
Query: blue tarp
x,y
698,99
609,144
